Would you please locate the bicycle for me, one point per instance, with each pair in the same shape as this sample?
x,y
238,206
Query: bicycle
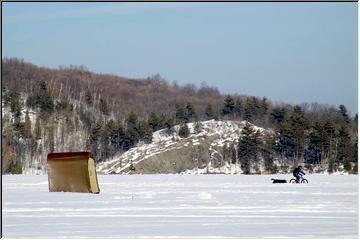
x,y
301,180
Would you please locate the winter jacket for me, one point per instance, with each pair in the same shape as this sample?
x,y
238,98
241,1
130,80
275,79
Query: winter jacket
x,y
298,171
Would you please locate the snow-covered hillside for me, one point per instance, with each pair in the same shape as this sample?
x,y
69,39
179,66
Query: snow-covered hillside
x,y
178,206
213,134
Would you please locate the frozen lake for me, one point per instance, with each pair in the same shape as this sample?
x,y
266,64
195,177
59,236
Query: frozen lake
x,y
183,206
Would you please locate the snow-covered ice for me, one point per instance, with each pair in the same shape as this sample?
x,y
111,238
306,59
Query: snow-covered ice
x,y
183,206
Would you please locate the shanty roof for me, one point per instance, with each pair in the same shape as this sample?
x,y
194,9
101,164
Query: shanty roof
x,y
68,155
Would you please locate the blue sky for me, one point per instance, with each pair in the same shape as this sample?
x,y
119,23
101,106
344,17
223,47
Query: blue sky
x,y
291,52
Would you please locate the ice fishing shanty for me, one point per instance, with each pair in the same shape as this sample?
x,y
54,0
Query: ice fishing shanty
x,y
72,172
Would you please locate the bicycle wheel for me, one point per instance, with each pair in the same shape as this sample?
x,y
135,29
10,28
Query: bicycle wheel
x,y
304,181
293,180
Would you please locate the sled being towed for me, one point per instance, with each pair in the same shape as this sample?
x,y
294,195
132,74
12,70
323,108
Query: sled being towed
x,y
72,172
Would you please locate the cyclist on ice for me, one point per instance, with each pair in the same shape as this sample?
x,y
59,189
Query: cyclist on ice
x,y
298,172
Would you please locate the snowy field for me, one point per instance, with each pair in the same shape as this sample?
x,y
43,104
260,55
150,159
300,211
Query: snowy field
x,y
183,206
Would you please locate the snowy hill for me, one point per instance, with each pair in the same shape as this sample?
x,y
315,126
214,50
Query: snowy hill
x,y
204,151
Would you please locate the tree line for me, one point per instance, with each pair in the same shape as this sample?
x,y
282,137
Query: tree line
x,y
117,113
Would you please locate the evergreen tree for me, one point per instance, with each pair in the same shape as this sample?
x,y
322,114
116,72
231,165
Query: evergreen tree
x,y
106,149
37,129
88,98
325,133
252,109
94,139
104,108
95,133
229,105
355,150
15,167
130,138
145,132
277,116
13,98
344,146
184,131
227,153
268,153
162,121
32,101
344,114
248,147
316,144
331,165
154,121
329,139
347,167
256,104
111,133
132,130
5,95
27,126
264,107
209,112
286,145
86,117
299,125
238,108
180,113
356,119
120,137
44,99
190,113
132,120
249,110
169,124
41,99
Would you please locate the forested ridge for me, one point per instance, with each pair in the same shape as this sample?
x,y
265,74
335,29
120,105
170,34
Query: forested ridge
x,y
72,109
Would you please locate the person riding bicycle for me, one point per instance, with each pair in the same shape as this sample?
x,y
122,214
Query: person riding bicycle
x,y
298,172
